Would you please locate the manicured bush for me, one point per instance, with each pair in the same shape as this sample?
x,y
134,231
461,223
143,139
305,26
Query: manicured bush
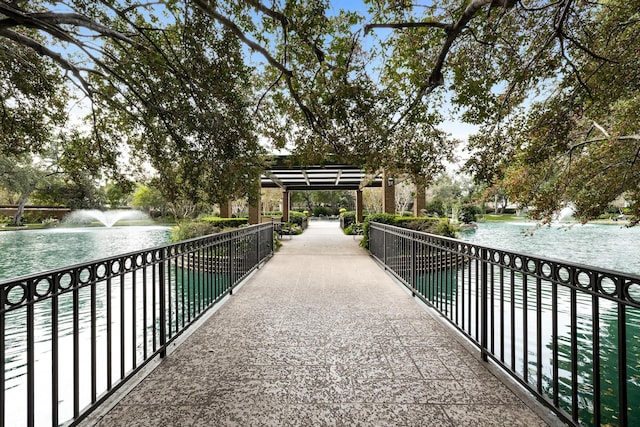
x,y
188,229
440,227
468,212
381,218
291,229
225,222
353,229
273,214
297,218
347,218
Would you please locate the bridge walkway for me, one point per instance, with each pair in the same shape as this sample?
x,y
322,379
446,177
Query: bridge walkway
x,y
320,335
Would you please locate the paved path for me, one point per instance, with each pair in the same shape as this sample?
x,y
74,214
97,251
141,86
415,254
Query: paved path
x,y
320,336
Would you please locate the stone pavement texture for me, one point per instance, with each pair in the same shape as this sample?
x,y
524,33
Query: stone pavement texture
x,y
321,336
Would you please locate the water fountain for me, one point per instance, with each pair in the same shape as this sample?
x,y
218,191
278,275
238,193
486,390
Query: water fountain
x,y
106,218
565,214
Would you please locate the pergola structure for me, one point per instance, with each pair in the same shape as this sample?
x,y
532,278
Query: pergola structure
x,y
286,174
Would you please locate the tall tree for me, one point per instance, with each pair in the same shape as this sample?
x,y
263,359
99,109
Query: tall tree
x,y
21,177
370,87
181,99
580,144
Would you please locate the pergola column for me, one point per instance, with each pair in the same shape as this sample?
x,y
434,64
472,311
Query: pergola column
x,y
419,201
225,209
388,194
359,215
286,202
255,214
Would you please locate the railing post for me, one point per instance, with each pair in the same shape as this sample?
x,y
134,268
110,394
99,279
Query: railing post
x,y
258,231
484,330
163,304
384,245
414,253
623,398
232,262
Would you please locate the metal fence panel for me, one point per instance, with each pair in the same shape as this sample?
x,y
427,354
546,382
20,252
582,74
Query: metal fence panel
x,y
73,336
567,332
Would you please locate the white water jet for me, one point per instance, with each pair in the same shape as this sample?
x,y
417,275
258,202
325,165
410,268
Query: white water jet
x,y
565,214
107,218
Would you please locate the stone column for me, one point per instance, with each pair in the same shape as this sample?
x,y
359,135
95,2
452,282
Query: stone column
x,y
286,202
225,209
419,201
388,194
359,215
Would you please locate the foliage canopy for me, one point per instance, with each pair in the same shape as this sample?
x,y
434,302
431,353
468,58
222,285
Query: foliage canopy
x,y
552,87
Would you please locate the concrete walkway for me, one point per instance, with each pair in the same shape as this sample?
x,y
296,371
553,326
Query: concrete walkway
x,y
321,336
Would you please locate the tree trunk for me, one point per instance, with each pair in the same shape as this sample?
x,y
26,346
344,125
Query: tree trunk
x,y
17,218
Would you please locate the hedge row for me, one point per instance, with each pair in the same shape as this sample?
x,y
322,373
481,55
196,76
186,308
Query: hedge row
x,y
225,222
438,226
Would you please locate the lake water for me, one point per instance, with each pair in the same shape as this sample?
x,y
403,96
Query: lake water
x,y
607,246
32,251
612,247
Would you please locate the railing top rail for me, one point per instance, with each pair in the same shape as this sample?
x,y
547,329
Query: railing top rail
x,y
478,253
50,273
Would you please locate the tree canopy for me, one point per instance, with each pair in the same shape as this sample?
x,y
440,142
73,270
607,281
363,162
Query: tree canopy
x,y
192,86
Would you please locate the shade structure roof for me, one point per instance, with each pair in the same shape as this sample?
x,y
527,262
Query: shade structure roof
x,y
285,174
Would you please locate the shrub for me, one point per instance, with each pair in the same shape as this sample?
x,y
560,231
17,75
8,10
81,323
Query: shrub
x,y
428,225
33,218
320,211
291,229
347,218
186,230
441,227
468,212
435,207
225,222
51,222
297,217
277,244
353,229
382,218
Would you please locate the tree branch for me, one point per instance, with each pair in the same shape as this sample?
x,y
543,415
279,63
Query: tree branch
x,y
403,25
49,21
208,9
453,31
227,23
44,51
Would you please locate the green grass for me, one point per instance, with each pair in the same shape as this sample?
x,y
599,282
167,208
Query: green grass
x,y
499,218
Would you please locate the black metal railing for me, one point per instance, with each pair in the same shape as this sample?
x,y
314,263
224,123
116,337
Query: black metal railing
x,y
71,337
568,333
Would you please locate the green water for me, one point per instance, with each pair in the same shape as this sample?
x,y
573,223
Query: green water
x,y
607,246
612,247
32,251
